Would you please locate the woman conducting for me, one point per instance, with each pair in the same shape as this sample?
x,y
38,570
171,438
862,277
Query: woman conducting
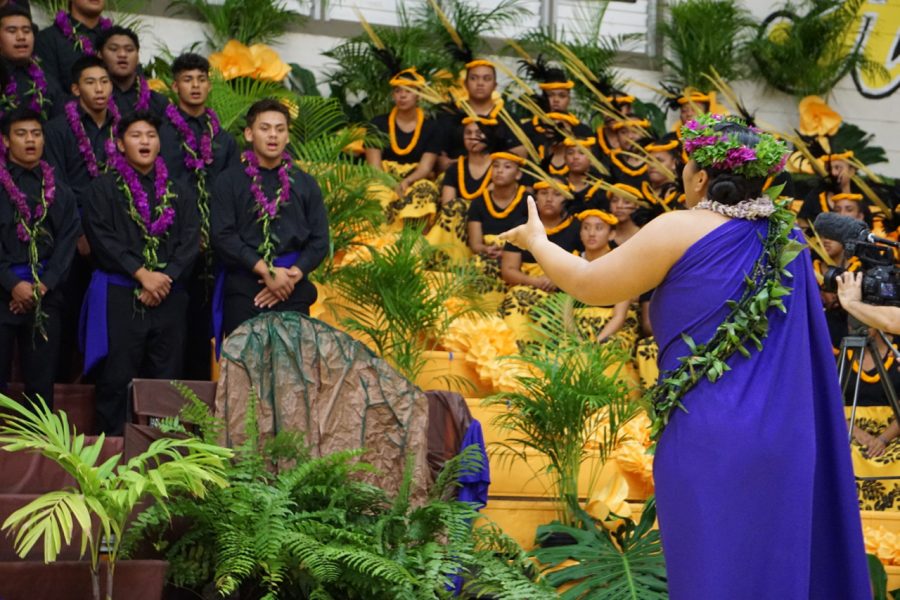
x,y
753,475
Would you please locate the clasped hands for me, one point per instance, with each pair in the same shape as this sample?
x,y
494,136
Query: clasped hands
x,y
279,287
22,297
155,286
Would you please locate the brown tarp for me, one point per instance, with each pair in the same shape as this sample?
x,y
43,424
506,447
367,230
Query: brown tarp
x,y
312,378
448,420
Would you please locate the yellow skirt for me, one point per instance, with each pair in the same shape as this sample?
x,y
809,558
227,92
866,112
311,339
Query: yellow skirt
x,y
645,356
449,234
876,494
491,282
592,319
518,303
417,206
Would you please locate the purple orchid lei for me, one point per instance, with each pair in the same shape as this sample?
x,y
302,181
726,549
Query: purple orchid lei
x,y
81,42
143,103
84,144
197,156
710,147
266,209
37,93
155,222
28,229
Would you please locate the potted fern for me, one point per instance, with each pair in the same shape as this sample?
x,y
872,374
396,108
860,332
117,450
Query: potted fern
x,y
105,495
569,409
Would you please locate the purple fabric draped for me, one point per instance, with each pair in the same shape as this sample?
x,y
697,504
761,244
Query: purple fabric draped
x,y
23,271
93,331
285,261
754,483
474,483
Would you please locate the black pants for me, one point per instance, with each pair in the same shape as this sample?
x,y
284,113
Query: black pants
x,y
240,290
38,356
143,342
70,361
198,350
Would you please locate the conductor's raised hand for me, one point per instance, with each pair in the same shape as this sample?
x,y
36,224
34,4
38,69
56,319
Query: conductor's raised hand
x,y
526,235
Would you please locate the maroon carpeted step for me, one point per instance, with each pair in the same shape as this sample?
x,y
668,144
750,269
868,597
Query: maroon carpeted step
x,y
71,580
27,473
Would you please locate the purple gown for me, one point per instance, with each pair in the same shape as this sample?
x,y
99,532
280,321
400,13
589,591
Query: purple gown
x,y
754,484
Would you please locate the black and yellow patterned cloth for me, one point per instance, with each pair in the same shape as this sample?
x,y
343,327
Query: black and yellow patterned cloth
x,y
418,205
881,494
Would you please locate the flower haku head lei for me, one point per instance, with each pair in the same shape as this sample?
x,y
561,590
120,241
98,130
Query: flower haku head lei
x,y
153,221
29,229
266,209
80,42
710,143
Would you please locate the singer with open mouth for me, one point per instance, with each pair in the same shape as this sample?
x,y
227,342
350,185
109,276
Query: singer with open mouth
x,y
754,484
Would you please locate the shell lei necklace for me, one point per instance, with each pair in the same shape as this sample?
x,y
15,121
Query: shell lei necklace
x,y
506,211
461,181
417,132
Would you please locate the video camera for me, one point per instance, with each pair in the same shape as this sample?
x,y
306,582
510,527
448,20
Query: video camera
x,y
881,276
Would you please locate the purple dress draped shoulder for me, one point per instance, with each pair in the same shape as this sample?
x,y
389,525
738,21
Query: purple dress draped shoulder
x,y
754,483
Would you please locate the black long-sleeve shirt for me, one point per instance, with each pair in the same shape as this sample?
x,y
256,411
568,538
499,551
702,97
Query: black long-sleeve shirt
x,y
225,150
126,100
62,151
117,242
58,53
53,98
301,226
55,249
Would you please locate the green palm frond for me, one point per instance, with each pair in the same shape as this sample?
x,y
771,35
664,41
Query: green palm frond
x,y
316,117
702,35
626,564
471,23
393,294
571,402
247,21
803,49
231,99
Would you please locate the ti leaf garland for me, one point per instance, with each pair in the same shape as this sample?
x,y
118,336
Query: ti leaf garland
x,y
747,324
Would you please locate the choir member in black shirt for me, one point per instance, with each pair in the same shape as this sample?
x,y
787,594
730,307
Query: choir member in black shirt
x,y
196,149
77,140
266,271
119,48
27,84
72,35
144,232
77,143
37,219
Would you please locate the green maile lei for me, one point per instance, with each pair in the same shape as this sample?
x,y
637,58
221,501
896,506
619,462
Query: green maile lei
x,y
745,327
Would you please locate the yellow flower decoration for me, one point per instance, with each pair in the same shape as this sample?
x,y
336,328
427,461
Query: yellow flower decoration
x,y
258,61
158,85
611,498
233,61
817,118
269,66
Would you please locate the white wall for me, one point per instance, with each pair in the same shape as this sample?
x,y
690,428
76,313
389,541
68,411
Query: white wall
x,y
881,117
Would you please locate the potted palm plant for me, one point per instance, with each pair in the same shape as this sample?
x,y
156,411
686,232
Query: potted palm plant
x,y
105,495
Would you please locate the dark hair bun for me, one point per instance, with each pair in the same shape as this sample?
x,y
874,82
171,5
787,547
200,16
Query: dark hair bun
x,y
729,189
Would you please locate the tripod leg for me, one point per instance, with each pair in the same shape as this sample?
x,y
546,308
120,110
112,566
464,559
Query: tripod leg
x,y
862,357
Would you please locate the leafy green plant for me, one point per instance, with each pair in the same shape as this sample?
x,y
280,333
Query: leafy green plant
x,y
247,21
124,12
571,404
105,495
622,563
291,526
704,34
803,49
399,304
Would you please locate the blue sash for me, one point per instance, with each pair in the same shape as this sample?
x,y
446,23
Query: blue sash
x,y
23,271
93,329
285,261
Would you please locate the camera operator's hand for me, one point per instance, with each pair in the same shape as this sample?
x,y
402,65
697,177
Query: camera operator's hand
x,y
849,288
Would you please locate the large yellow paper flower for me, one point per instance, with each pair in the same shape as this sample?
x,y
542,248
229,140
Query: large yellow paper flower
x,y
269,66
158,85
611,498
258,61
817,118
233,61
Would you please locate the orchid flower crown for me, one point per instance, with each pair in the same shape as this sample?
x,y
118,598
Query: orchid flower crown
x,y
708,143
